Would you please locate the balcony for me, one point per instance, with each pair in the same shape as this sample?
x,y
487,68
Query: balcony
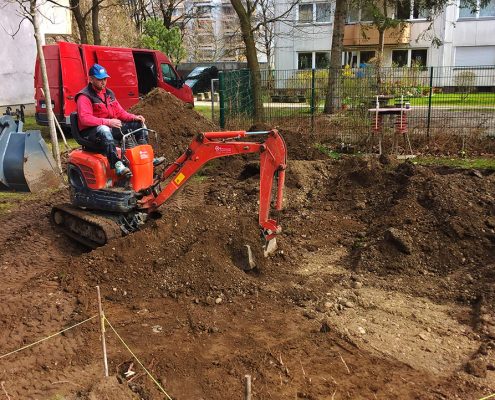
x,y
367,35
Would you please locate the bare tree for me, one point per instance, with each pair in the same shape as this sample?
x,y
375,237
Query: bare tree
x,y
266,34
246,11
29,10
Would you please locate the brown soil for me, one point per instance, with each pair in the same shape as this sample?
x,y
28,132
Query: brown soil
x,y
174,123
382,287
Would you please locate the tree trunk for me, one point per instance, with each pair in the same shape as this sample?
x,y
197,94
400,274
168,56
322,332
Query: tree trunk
x,y
379,58
333,98
251,56
95,12
46,87
80,21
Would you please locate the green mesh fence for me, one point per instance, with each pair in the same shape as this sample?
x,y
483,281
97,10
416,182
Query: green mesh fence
x,y
438,99
236,98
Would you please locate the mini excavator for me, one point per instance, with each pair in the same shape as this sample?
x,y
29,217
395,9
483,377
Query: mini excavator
x,y
104,206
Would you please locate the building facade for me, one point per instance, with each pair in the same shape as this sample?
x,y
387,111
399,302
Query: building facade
x,y
18,50
467,38
212,33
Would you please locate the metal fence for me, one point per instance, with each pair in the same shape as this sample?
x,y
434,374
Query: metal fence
x,y
429,100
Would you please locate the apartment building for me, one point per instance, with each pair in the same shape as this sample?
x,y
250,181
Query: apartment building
x,y
213,33
467,37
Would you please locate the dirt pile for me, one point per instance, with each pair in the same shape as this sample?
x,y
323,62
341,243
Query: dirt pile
x,y
198,253
175,123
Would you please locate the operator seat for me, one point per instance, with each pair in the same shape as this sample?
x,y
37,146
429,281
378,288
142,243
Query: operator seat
x,y
86,144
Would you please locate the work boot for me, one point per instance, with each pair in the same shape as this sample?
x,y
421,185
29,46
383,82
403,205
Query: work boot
x,y
158,161
122,170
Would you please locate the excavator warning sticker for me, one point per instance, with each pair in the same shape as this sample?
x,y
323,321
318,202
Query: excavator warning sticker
x,y
179,178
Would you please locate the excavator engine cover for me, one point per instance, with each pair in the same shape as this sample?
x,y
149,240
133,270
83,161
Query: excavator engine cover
x,y
26,164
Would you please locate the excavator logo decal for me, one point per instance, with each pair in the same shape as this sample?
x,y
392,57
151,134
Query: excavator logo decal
x,y
143,154
179,178
223,150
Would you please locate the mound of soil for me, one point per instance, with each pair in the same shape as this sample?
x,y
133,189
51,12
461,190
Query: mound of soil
x,y
175,123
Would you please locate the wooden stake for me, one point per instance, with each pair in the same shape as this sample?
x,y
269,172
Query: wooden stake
x,y
102,330
247,388
62,134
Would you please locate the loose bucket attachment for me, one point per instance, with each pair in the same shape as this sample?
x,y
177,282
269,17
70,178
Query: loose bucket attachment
x,y
26,164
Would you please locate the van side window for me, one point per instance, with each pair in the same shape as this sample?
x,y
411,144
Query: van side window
x,y
169,75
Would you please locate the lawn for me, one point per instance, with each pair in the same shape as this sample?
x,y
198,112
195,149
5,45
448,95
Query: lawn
x,y
467,163
456,99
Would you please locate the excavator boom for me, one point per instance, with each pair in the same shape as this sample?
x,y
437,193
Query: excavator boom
x,y
210,145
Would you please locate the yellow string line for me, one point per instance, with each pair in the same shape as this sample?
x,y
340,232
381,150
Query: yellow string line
x,y
48,337
488,397
140,363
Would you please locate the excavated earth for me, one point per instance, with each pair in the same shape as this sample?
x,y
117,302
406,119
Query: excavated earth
x,y
383,286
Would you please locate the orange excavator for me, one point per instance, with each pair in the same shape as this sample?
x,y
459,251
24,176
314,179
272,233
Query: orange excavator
x,y
105,206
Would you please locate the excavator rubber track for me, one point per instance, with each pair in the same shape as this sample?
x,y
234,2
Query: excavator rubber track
x,y
89,228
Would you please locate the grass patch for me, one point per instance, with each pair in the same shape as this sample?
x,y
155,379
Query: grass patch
x,y
456,99
205,111
8,200
334,155
466,163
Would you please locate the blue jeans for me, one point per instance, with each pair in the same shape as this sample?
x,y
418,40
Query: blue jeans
x,y
106,137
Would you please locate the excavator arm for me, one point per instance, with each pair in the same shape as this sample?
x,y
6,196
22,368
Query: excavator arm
x,y
210,145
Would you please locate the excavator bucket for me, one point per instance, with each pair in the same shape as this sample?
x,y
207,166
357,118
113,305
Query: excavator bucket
x,y
26,164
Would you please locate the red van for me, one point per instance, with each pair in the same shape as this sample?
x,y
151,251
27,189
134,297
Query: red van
x,y
133,73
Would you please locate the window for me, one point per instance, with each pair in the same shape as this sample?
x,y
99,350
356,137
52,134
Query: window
x,y
304,60
316,59
353,15
356,58
323,12
305,13
203,11
169,75
411,9
466,9
366,14
408,58
228,10
399,58
359,14
418,57
322,60
314,12
488,10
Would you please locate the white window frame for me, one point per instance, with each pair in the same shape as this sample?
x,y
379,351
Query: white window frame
x,y
475,16
411,13
409,55
313,58
354,52
313,20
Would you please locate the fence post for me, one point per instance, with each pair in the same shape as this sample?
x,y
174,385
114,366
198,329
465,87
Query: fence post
x,y
429,104
221,93
313,93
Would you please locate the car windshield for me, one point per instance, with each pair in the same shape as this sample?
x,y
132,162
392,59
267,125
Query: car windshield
x,y
196,72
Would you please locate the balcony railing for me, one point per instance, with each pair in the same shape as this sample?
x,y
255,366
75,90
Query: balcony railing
x,y
367,35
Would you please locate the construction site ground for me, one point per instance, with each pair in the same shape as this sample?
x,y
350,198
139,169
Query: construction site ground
x,y
382,287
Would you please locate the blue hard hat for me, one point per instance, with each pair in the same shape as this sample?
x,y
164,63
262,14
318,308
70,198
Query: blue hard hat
x,y
98,72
